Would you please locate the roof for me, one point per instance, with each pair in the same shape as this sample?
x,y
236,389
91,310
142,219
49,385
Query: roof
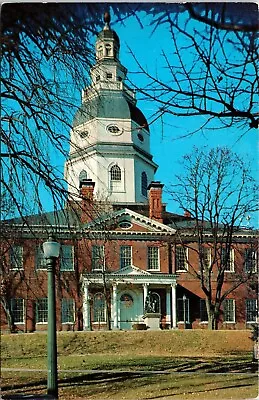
x,y
113,105
64,217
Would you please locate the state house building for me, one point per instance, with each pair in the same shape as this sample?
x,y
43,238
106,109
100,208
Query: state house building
x,y
119,244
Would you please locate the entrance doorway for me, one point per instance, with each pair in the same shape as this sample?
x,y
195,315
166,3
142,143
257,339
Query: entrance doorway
x,y
127,311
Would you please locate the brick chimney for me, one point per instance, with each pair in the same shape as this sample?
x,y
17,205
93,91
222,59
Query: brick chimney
x,y
87,194
155,201
187,214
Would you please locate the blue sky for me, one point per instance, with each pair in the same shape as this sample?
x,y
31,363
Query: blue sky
x,y
167,144
169,136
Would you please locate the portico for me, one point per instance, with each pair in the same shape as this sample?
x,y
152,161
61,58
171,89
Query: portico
x,y
128,289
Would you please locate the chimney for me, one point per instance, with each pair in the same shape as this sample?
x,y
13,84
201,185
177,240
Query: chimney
x,y
87,194
187,213
155,201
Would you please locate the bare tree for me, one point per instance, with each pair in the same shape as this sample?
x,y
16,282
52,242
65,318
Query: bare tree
x,y
211,69
47,51
217,189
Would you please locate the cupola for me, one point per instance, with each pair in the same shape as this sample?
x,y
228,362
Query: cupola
x,y
107,43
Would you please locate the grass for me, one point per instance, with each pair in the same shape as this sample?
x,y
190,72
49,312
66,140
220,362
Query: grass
x,y
135,365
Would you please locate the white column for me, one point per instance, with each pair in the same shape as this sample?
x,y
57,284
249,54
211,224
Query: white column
x,y
168,306
86,308
145,289
115,307
173,290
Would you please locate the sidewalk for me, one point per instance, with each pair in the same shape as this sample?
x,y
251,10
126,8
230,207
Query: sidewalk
x,y
27,397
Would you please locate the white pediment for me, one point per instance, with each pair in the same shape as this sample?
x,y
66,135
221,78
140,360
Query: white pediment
x,y
131,270
150,225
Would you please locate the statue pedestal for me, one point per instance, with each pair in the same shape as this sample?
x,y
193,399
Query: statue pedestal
x,y
152,320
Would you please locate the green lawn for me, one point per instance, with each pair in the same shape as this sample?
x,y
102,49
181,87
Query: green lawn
x,y
132,371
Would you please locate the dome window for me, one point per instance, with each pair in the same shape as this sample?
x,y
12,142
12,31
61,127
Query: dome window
x,y
108,50
109,75
98,78
140,137
84,134
100,51
114,129
115,172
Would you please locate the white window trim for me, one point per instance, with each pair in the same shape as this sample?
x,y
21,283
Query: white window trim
x,y
121,184
42,322
74,314
188,311
21,268
73,260
158,257
255,267
41,268
130,253
185,261
103,266
234,313
256,304
105,311
23,311
231,262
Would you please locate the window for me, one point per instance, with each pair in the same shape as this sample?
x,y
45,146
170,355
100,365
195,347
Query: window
x,y
144,184
125,224
97,258
109,75
229,310
108,49
40,259
82,175
203,311
227,260
42,311
140,137
115,173
100,51
17,310
125,256
83,135
250,260
153,258
67,258
183,311
114,129
68,311
16,257
251,310
99,308
181,259
206,257
98,78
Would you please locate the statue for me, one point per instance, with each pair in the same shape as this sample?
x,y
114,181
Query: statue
x,y
151,303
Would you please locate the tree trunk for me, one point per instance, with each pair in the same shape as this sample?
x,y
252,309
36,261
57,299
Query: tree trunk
x,y
213,315
8,314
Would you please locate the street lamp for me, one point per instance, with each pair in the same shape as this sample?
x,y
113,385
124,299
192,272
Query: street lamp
x,y
184,310
51,253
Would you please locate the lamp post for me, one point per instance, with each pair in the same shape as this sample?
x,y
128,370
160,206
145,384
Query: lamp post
x,y
184,311
51,253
